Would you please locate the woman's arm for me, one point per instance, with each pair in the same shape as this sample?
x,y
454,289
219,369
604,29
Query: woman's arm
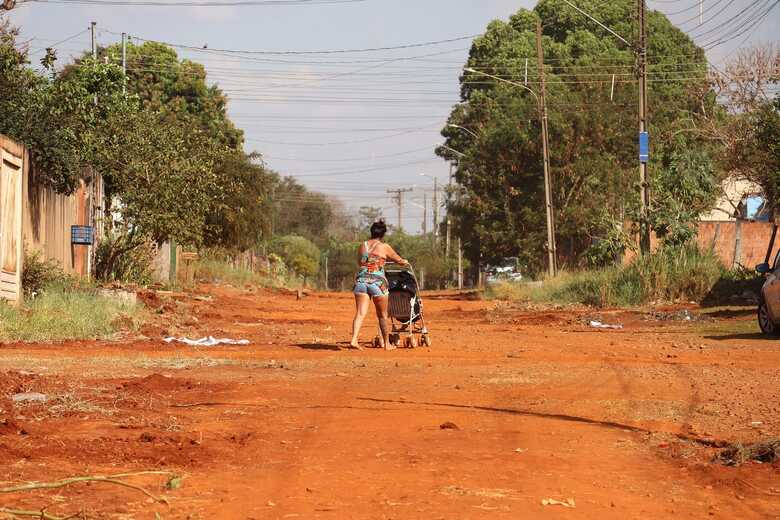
x,y
390,254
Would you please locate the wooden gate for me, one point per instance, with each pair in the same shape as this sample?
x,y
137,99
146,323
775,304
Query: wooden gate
x,y
12,165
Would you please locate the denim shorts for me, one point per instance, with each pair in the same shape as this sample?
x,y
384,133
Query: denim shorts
x,y
372,289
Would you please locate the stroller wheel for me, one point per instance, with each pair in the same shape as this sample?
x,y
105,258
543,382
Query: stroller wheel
x,y
425,340
410,342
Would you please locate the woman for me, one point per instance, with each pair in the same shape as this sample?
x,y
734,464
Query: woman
x,y
371,283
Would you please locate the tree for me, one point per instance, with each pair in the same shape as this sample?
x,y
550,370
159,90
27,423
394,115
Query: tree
x,y
593,150
299,254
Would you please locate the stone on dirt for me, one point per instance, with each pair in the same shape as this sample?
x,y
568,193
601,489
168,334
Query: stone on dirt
x,y
449,426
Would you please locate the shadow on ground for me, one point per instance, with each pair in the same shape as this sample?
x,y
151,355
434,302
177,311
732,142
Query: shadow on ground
x,y
321,346
744,335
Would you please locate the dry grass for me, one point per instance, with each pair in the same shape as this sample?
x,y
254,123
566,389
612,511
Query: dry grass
x,y
738,453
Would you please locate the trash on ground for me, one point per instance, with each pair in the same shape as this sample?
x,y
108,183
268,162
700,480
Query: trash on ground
x,y
569,502
600,325
29,397
207,341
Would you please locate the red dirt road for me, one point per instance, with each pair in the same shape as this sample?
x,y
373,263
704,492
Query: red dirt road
x,y
297,425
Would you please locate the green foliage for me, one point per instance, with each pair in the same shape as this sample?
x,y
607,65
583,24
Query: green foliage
x,y
39,274
420,251
759,154
609,248
685,185
242,217
499,211
298,253
66,314
118,258
669,275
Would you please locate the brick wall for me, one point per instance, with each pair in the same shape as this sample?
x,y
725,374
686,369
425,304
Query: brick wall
x,y
735,242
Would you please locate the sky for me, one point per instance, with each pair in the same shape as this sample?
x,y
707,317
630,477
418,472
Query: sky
x,y
350,124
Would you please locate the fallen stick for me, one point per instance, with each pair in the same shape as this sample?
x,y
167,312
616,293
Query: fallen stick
x,y
43,515
112,479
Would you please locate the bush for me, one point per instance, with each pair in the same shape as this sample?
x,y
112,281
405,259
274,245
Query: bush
x,y
671,274
38,274
119,258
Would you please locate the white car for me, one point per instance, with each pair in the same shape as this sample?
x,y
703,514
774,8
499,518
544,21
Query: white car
x,y
503,274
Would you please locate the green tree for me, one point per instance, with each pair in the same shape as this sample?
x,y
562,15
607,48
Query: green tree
x,y
593,150
299,254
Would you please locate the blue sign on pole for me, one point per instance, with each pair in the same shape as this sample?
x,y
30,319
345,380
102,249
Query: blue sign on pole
x,y
644,147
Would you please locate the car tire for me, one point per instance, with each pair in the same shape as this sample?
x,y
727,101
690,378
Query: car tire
x,y
765,321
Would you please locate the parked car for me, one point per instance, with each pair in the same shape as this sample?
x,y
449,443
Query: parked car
x,y
769,301
503,274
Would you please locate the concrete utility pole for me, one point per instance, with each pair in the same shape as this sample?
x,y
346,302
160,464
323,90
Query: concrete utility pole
x,y
124,62
399,199
552,254
460,264
644,152
435,208
425,214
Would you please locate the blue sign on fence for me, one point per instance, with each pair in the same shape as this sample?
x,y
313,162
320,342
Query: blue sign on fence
x,y
644,147
82,235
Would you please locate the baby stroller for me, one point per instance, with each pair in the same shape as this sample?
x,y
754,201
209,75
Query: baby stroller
x,y
405,308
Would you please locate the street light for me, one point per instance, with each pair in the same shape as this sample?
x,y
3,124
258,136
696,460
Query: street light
x,y
453,150
551,247
464,129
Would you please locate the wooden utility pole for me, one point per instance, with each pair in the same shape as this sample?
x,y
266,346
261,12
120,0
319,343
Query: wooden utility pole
x,y
644,155
552,255
399,200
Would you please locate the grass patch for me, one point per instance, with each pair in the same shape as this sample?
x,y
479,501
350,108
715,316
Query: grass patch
x,y
221,271
674,274
61,314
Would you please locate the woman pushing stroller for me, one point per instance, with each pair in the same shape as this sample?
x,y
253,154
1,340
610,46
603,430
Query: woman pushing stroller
x,y
371,283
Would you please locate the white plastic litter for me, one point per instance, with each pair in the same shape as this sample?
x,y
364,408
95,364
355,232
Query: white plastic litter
x,y
599,325
29,397
207,341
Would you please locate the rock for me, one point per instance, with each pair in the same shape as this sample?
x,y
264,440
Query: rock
x,y
29,397
449,426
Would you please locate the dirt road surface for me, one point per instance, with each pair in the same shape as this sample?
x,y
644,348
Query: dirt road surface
x,y
612,423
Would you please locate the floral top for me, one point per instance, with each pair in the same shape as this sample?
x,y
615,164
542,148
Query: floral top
x,y
372,268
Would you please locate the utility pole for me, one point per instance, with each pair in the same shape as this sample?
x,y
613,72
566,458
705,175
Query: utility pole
x,y
399,199
124,62
435,210
326,272
425,215
644,148
552,256
93,180
460,264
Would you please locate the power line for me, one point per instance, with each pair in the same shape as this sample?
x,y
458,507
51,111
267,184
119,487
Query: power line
x,y
206,3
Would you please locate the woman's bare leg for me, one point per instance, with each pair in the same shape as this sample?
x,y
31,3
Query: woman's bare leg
x,y
380,304
361,309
